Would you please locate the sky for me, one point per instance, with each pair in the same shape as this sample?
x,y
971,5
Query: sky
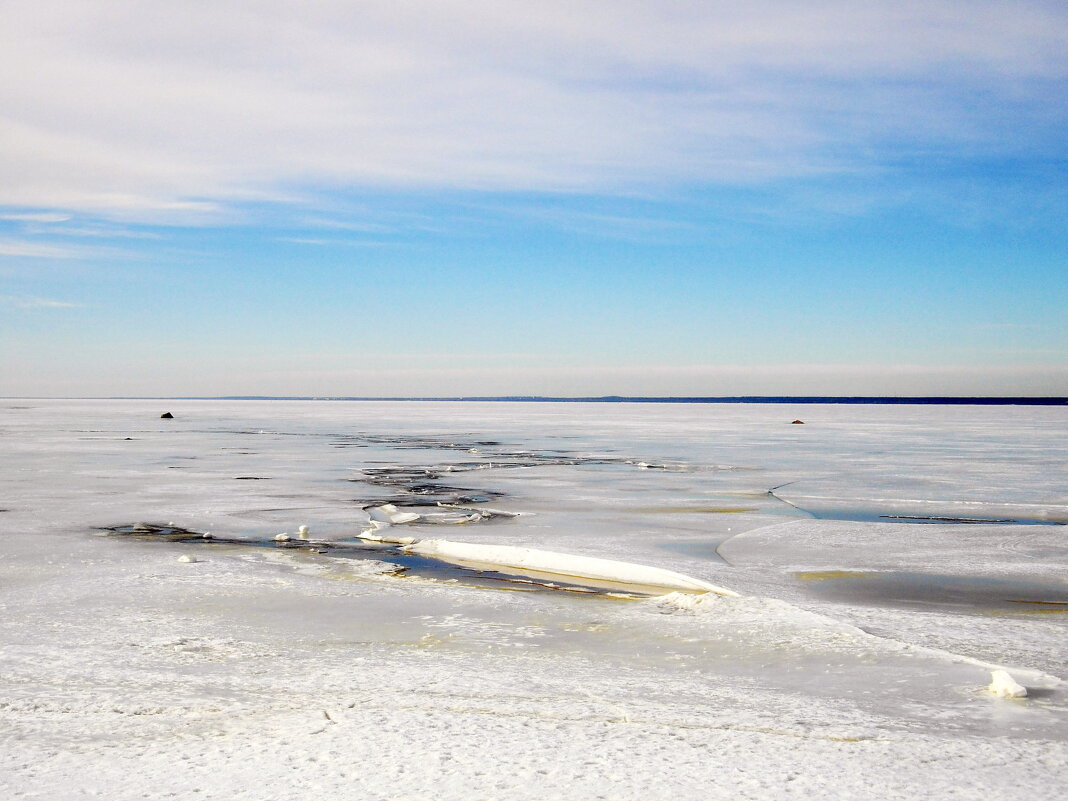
x,y
679,198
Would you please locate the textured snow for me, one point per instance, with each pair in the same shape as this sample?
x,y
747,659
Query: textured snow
x,y
859,662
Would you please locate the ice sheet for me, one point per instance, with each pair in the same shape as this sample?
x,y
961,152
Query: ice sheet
x,y
279,672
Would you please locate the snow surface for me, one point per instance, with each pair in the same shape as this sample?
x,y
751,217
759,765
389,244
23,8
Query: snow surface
x,y
857,664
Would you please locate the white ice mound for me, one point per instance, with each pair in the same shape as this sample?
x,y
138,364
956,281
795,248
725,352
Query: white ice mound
x,y
1003,685
391,515
481,511
449,518
584,570
372,535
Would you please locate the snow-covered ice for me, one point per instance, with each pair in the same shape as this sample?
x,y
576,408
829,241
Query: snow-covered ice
x,y
873,652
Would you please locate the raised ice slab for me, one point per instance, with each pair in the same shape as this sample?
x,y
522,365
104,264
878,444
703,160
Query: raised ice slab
x,y
553,566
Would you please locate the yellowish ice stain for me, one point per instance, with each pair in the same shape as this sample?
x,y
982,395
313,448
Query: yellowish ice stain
x,y
585,627
1017,612
431,641
1044,608
339,576
824,575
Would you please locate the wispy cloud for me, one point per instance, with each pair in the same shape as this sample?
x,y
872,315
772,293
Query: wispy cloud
x,y
37,250
347,225
211,103
304,240
95,232
31,302
334,243
36,217
45,250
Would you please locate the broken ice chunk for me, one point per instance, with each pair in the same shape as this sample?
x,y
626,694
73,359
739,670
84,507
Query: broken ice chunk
x,y
447,519
372,535
388,513
1003,685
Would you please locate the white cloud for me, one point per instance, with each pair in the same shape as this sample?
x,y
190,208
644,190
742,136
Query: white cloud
x,y
36,217
31,302
339,243
33,249
93,232
347,225
162,110
36,250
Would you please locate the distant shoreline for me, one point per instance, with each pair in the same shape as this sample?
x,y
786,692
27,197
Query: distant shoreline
x,y
795,399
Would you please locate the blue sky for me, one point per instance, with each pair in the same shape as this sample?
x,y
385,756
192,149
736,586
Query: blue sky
x,y
337,198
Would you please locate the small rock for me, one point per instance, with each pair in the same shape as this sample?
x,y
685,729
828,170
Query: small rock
x,y
798,423
166,416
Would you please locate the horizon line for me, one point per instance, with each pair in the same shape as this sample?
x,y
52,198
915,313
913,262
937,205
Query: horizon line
x,y
985,400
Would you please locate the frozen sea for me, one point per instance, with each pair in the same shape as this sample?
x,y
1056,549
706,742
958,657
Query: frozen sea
x,y
888,559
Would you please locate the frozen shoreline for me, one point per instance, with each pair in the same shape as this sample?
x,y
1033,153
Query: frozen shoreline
x,y
275,674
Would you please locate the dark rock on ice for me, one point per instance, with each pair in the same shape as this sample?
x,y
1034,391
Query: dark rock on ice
x,y
798,423
166,416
